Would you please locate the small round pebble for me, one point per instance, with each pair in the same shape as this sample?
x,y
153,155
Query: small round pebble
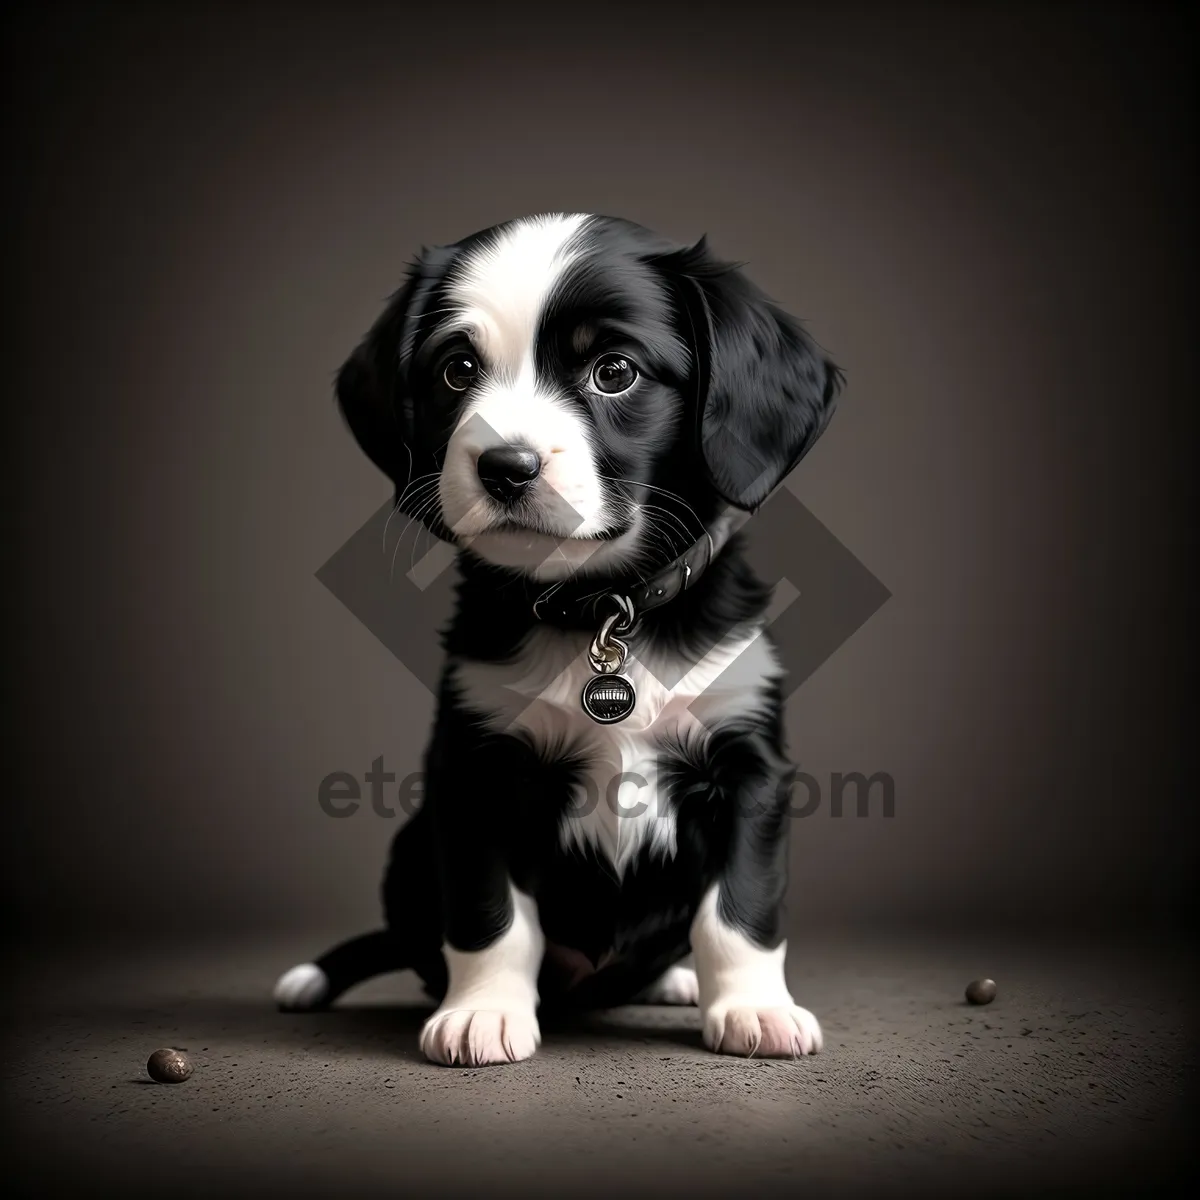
x,y
168,1066
981,991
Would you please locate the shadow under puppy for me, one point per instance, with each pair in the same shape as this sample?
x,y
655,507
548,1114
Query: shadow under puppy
x,y
583,409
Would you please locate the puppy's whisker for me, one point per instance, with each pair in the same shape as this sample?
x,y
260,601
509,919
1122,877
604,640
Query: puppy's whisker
x,y
424,507
593,595
415,485
425,487
674,537
395,510
422,529
661,491
666,546
404,495
400,498
548,593
427,507
679,523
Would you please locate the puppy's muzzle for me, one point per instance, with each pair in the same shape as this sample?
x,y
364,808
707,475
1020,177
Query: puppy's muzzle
x,y
508,472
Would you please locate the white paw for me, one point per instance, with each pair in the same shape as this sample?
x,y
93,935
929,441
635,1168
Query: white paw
x,y
475,1037
761,1032
676,985
302,988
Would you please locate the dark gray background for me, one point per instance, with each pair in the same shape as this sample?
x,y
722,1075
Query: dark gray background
x,y
984,212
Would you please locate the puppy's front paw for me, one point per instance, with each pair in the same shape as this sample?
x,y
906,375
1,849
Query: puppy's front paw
x,y
762,1032
478,1037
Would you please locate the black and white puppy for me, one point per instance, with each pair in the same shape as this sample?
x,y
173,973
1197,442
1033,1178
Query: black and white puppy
x,y
582,409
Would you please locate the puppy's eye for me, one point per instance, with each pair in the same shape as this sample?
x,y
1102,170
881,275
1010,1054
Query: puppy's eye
x,y
613,374
461,372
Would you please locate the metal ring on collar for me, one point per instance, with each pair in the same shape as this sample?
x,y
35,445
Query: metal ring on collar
x,y
626,614
607,652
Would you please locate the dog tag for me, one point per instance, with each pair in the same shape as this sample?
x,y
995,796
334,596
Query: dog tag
x,y
608,699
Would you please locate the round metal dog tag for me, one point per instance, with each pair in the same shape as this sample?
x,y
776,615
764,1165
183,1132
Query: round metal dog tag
x,y
608,698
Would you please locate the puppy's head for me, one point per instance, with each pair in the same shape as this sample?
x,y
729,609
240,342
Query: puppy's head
x,y
572,394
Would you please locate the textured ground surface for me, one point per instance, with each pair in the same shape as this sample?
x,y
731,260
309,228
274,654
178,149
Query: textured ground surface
x,y
1073,1079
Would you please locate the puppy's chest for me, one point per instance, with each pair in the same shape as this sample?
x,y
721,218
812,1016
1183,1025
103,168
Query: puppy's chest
x,y
620,803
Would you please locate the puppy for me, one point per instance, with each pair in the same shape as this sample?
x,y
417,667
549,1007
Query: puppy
x,y
583,409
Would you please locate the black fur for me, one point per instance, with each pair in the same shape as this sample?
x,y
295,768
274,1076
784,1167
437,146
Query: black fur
x,y
736,394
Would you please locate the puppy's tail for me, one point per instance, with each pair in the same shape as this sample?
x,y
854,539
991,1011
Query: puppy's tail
x,y
314,985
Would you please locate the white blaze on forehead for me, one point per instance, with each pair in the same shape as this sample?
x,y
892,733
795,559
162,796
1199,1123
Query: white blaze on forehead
x,y
498,295
502,289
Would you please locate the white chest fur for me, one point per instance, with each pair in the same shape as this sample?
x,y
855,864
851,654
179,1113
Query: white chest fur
x,y
618,807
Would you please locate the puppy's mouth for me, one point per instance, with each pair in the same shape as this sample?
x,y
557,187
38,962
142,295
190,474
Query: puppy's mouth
x,y
544,525
528,547
518,529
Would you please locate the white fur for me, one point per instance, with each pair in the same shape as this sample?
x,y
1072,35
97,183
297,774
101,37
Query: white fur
x,y
538,694
501,289
745,1004
489,1014
676,985
498,297
302,988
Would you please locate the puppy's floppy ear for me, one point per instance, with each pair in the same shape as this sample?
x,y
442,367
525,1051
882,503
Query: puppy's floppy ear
x,y
766,391
372,387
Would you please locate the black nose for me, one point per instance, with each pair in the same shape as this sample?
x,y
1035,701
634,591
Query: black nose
x,y
507,471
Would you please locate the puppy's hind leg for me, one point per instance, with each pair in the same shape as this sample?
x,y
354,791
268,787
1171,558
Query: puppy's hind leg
x,y
410,940
676,985
316,985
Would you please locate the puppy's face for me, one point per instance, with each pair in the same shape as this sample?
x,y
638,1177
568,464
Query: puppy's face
x,y
571,394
